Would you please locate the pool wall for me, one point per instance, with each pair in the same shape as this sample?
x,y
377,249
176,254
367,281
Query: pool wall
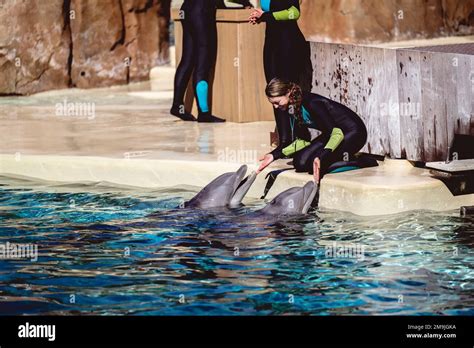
x,y
394,186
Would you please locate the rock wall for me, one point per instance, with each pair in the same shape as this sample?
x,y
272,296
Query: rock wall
x,y
92,43
371,21
80,43
34,46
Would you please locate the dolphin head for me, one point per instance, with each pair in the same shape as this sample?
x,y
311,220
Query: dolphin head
x,y
220,192
294,201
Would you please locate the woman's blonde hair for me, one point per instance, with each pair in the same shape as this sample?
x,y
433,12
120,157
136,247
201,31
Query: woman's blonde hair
x,y
279,87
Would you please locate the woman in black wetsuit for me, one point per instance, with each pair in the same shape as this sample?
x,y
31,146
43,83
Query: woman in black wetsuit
x,y
286,52
343,131
199,54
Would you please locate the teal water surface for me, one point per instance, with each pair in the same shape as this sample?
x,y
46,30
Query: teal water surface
x,y
114,251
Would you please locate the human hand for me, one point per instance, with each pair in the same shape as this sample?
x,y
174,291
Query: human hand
x,y
255,15
266,160
316,170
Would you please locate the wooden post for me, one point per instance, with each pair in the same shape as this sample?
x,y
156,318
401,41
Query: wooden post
x,y
238,83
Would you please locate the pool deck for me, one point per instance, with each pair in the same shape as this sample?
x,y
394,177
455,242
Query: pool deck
x,y
124,136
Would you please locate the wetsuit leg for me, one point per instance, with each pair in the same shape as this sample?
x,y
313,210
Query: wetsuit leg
x,y
205,36
352,143
305,73
282,119
269,60
285,60
303,160
183,74
292,58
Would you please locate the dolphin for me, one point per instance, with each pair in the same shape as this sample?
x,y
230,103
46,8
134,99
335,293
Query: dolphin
x,y
294,201
227,190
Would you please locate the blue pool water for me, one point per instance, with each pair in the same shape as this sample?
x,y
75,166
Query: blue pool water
x,y
111,251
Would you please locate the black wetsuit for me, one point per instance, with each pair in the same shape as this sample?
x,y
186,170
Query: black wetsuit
x,y
343,134
286,54
199,55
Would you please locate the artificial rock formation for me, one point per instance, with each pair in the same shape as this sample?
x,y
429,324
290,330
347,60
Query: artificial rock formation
x,y
85,43
370,21
34,46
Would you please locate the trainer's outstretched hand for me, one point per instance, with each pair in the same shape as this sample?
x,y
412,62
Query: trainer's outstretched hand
x,y
266,160
316,170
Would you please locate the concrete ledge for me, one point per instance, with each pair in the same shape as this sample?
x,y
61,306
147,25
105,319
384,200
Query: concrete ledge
x,y
453,166
395,186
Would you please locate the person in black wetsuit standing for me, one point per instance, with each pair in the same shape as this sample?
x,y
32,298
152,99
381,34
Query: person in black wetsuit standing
x,y
343,131
199,55
287,54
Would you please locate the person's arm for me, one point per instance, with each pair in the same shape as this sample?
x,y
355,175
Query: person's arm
x,y
277,153
294,147
326,123
292,13
289,150
292,141
303,139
